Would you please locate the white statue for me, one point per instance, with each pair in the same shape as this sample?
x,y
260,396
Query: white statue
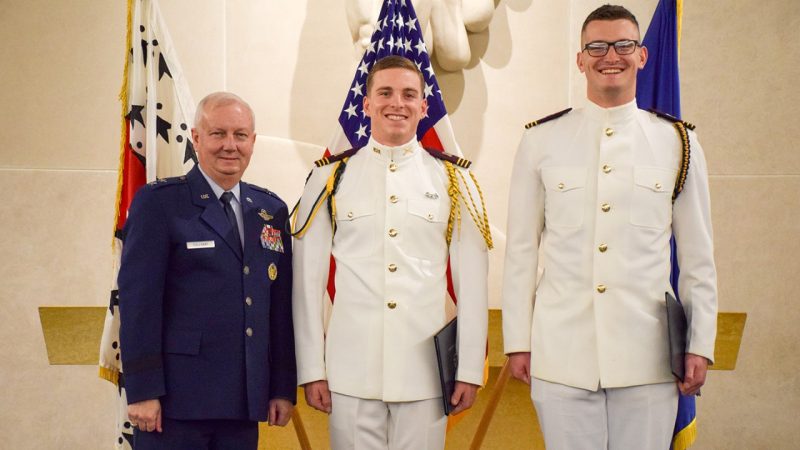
x,y
449,20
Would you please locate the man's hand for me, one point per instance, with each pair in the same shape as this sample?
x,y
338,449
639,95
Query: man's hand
x,y
695,376
318,396
146,415
280,411
520,365
463,396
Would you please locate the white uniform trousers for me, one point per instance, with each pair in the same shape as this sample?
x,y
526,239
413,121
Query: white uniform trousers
x,y
636,417
364,424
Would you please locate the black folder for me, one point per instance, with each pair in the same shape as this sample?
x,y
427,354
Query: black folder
x,y
677,329
447,360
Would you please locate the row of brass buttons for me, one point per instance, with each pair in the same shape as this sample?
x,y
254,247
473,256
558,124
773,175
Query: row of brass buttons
x,y
605,207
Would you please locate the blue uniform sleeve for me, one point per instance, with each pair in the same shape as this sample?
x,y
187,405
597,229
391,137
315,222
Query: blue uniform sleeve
x,y
141,279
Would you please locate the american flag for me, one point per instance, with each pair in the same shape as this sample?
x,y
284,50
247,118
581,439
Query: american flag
x,y
397,32
156,123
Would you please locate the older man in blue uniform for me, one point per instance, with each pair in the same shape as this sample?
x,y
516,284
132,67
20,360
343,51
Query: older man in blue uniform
x,y
205,297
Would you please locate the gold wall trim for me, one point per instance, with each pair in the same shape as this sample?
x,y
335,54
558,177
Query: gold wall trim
x,y
72,333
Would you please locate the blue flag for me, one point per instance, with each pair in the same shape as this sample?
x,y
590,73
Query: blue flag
x,y
658,87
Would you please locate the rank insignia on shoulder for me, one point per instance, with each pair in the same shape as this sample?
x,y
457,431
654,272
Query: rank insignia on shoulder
x,y
265,215
271,239
544,119
167,181
337,157
457,160
671,118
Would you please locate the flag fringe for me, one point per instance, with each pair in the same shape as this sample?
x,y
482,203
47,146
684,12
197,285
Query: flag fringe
x,y
123,139
109,374
686,437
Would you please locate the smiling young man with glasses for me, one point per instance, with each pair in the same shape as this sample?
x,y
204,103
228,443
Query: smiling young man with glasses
x,y
595,193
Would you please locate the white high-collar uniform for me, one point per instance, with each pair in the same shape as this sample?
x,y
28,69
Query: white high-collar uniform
x,y
591,204
392,209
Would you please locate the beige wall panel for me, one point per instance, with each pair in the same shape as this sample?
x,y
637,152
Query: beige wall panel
x,y
56,247
756,224
198,31
739,83
62,64
293,64
508,83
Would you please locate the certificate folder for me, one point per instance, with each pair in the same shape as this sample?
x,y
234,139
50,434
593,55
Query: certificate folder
x,y
447,360
677,328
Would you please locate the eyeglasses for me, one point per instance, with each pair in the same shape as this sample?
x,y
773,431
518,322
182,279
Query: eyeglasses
x,y
622,47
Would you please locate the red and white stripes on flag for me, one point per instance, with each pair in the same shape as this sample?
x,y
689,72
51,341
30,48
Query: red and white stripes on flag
x,y
156,123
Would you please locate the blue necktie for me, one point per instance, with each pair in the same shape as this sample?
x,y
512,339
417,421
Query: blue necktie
x,y
226,204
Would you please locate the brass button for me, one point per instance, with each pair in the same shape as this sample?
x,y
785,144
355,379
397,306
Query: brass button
x,y
605,207
392,305
658,186
392,267
248,301
392,232
561,185
392,167
602,248
601,288
350,215
393,199
246,270
606,168
609,132
248,331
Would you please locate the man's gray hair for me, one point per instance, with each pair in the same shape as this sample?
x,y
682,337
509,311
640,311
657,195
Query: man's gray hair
x,y
216,99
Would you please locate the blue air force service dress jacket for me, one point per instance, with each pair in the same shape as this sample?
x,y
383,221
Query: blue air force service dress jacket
x,y
206,323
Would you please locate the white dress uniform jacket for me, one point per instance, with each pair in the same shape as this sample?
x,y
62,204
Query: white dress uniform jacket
x,y
392,210
591,204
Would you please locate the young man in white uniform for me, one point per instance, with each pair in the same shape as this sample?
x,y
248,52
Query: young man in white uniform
x,y
591,203
392,235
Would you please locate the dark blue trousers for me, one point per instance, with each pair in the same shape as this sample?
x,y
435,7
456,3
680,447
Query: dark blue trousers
x,y
199,435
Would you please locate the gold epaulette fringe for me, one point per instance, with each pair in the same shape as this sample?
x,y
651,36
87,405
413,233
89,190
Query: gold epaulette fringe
x,y
481,220
544,119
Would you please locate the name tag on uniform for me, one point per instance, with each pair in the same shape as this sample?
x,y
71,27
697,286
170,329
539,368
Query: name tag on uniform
x,y
199,244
